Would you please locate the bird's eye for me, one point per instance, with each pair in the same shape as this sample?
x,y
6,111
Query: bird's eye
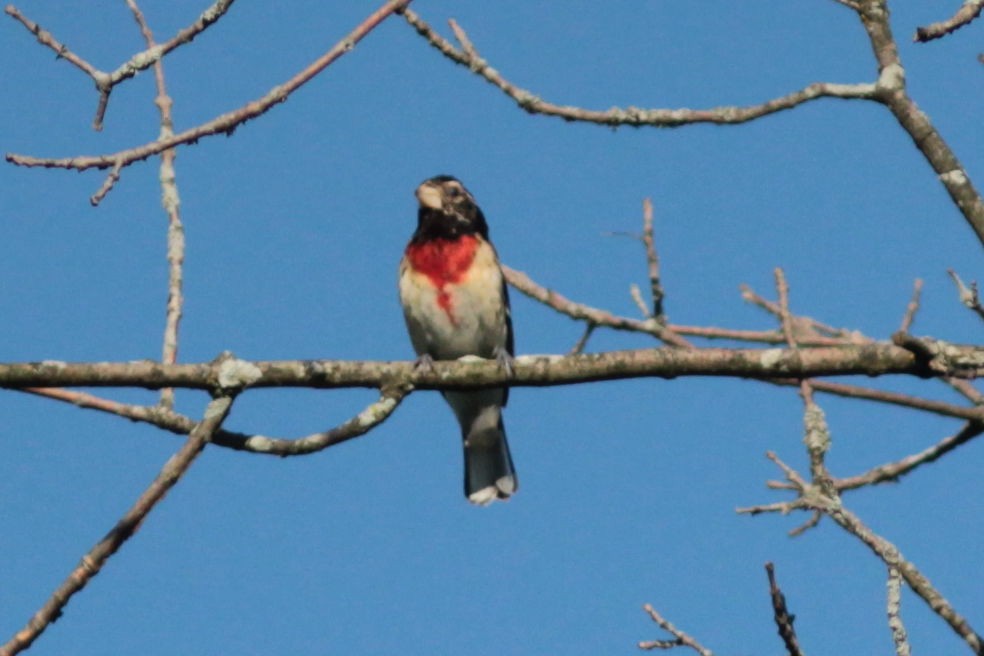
x,y
453,191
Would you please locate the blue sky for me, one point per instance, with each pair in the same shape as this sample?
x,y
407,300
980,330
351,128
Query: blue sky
x,y
295,226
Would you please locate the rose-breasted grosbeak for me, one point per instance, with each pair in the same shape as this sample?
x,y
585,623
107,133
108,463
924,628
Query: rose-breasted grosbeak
x,y
455,304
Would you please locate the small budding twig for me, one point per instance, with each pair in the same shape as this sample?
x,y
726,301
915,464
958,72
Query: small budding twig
x,y
652,260
912,308
681,639
784,619
969,296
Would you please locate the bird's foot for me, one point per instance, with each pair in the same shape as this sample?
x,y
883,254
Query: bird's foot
x,y
424,364
505,360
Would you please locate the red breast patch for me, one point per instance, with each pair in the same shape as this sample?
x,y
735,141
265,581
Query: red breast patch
x,y
444,262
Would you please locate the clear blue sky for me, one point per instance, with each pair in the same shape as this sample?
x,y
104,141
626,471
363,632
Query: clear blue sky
x,y
295,226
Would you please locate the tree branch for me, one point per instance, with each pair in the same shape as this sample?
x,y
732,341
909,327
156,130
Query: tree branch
x,y
632,116
970,10
819,498
874,359
892,93
680,639
124,529
225,123
783,618
106,81
893,471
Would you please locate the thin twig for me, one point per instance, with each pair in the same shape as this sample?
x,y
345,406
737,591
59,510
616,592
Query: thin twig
x,y
818,498
582,342
45,38
225,123
971,413
373,415
93,561
784,620
801,324
681,639
758,336
171,201
652,259
894,612
106,81
969,295
785,317
636,295
107,185
632,116
970,10
893,471
552,299
912,308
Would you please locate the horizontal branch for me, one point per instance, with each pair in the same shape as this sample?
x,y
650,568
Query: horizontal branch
x,y
468,56
876,359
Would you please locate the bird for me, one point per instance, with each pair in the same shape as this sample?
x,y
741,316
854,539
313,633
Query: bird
x,y
455,304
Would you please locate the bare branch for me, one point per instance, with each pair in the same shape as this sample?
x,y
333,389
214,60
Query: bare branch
x,y
681,639
172,207
124,529
785,318
912,307
632,116
970,10
893,471
45,38
582,342
107,185
373,415
804,328
820,498
892,93
971,413
225,123
550,298
757,336
894,607
529,371
784,620
140,61
969,296
652,259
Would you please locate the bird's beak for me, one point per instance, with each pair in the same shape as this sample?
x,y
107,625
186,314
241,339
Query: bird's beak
x,y
429,196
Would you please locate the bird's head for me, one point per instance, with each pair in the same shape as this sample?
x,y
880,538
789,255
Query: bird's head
x,y
448,210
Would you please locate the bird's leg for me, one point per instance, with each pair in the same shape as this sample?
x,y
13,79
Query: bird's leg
x,y
424,363
505,359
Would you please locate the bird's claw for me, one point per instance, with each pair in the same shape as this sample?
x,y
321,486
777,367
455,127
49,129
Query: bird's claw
x,y
424,364
505,360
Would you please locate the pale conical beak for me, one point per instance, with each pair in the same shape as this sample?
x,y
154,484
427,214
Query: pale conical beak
x,y
429,196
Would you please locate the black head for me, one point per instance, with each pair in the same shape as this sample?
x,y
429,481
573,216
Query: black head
x,y
447,210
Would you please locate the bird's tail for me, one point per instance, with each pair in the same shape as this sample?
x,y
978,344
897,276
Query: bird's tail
x,y
489,471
